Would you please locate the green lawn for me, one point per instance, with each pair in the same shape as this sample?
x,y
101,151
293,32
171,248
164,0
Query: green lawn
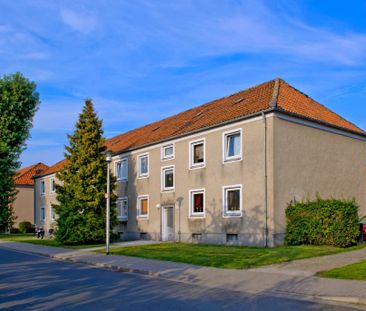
x,y
232,257
356,271
30,238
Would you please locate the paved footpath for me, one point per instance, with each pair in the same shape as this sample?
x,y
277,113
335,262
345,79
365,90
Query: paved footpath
x,y
294,279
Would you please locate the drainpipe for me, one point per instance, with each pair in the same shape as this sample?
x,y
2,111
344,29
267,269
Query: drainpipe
x,y
265,178
34,202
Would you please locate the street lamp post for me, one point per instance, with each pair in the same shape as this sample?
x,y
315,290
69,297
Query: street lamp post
x,y
108,197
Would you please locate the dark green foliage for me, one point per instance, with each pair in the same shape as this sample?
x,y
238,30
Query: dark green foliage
x,y
322,222
81,195
25,227
18,104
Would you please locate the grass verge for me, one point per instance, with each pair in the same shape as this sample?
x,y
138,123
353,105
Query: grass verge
x,y
356,271
231,257
30,238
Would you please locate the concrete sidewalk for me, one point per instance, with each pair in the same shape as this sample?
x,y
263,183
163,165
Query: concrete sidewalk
x,y
294,279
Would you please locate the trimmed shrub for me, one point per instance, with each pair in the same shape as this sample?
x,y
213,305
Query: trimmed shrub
x,y
322,222
25,227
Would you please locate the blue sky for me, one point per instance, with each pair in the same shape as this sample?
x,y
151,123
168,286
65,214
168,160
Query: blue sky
x,y
141,61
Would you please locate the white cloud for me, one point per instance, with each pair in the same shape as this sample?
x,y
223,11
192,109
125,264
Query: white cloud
x,y
79,21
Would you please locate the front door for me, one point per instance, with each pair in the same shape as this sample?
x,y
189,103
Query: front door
x,y
167,224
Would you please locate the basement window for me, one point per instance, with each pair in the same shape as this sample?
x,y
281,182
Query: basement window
x,y
196,237
143,236
232,238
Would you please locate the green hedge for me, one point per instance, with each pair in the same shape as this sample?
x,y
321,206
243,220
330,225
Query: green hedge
x,y
25,227
322,222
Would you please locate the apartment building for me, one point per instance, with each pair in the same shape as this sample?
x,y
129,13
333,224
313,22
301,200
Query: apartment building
x,y
24,203
225,171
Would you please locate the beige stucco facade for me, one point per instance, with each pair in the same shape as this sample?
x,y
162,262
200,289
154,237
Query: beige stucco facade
x,y
44,200
281,159
311,159
248,173
24,205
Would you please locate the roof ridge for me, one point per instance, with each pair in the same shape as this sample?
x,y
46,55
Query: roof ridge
x,y
327,108
276,89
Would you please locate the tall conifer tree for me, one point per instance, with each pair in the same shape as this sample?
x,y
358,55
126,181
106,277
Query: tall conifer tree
x,y
81,193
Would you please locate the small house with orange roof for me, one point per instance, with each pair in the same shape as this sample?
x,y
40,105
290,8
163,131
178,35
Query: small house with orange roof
x,y
24,202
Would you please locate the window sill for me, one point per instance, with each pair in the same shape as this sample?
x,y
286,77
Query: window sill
x,y
197,217
122,218
195,167
142,176
122,180
233,215
142,217
168,190
236,159
167,159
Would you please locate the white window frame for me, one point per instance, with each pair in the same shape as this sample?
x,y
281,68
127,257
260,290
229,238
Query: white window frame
x,y
121,199
225,211
193,143
167,158
225,158
42,219
192,214
138,205
52,180
123,178
163,188
42,189
52,219
139,157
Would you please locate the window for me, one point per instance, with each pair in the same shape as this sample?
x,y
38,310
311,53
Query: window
x,y
167,152
197,203
52,185
232,200
122,208
232,145
167,178
197,154
121,169
231,238
52,214
43,188
143,165
143,206
42,214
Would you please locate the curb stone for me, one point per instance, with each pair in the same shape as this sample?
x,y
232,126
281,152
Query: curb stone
x,y
334,299
356,301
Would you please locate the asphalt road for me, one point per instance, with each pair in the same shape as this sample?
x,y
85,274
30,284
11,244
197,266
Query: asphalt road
x,y
31,282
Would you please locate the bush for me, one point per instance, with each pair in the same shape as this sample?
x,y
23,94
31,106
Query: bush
x,y
322,222
25,227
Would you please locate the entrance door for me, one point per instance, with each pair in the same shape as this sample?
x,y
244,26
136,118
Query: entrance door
x,y
167,224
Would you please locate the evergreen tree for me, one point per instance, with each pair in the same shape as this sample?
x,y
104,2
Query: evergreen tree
x,y
18,104
81,194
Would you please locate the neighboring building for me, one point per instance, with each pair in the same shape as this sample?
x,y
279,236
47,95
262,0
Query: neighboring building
x,y
225,171
24,202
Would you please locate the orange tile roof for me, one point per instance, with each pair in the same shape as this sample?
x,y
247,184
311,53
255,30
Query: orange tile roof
x,y
274,95
294,101
25,175
53,168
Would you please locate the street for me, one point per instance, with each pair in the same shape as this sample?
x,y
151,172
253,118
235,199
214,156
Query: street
x,y
32,282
